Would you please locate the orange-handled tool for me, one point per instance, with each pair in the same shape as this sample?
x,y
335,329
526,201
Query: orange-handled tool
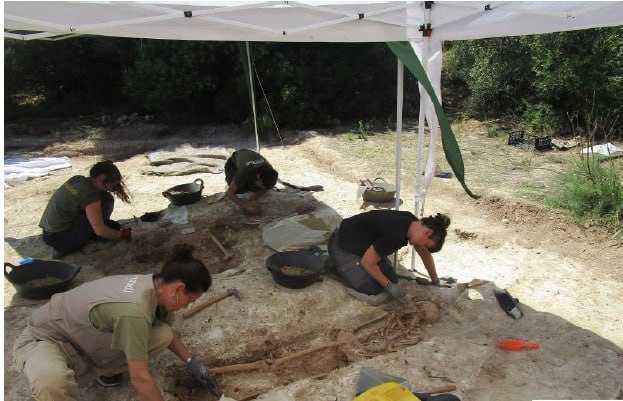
x,y
516,345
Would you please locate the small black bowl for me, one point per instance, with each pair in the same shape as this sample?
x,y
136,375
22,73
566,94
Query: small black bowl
x,y
303,259
20,276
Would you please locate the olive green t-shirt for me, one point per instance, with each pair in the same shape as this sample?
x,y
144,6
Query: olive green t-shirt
x,y
67,203
247,162
130,326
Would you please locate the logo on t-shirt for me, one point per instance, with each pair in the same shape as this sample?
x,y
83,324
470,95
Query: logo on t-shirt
x,y
255,162
129,286
71,189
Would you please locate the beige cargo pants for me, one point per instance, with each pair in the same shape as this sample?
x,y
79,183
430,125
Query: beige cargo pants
x,y
55,369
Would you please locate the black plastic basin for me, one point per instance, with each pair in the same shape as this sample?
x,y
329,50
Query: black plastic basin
x,y
302,259
22,277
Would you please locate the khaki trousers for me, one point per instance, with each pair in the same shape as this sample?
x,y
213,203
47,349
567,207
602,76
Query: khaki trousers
x,y
54,369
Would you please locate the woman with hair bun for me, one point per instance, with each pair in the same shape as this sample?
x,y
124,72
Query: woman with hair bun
x,y
110,326
360,247
81,208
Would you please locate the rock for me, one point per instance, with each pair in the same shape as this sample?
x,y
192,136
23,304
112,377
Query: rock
x,y
187,230
474,294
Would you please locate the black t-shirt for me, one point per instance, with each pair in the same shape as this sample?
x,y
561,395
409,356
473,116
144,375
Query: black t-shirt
x,y
385,229
247,164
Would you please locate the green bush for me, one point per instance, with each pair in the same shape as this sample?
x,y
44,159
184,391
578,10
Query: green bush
x,y
540,78
493,129
592,192
541,118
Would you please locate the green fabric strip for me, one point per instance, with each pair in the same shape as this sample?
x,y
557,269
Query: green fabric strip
x,y
405,53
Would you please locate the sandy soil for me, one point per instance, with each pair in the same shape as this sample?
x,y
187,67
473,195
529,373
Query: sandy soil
x,y
565,276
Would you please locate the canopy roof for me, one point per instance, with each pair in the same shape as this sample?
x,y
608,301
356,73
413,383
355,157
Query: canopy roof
x,y
304,21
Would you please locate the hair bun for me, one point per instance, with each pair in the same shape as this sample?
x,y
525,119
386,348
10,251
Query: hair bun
x,y
183,251
443,220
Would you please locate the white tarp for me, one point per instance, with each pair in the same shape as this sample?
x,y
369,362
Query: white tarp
x,y
18,169
605,149
302,231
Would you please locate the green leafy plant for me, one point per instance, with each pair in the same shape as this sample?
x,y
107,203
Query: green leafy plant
x,y
592,192
463,116
493,129
364,129
390,125
540,118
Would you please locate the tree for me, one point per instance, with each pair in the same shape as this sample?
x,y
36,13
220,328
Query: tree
x,y
66,78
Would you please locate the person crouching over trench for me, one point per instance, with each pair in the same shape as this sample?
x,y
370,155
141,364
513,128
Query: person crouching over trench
x,y
361,244
80,210
248,171
106,327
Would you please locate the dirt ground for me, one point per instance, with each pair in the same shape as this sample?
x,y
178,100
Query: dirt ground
x,y
567,277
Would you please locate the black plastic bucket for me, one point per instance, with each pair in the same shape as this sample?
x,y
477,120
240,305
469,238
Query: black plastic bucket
x,y
22,277
185,194
302,259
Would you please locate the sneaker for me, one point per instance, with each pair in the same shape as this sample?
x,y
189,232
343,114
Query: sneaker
x,y
56,254
110,381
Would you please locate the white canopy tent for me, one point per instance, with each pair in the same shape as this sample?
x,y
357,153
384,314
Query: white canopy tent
x,y
421,24
305,21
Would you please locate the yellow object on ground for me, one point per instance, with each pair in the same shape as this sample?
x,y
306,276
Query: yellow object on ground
x,y
387,392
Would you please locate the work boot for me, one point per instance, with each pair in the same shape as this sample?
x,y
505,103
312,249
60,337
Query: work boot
x,y
110,381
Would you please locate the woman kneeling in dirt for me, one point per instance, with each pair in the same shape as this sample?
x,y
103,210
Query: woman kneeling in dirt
x,y
80,210
112,325
360,246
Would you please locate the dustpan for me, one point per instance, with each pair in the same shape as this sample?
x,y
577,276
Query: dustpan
x,y
369,378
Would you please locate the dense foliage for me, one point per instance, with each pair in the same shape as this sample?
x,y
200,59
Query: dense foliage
x,y
542,80
197,82
538,80
65,78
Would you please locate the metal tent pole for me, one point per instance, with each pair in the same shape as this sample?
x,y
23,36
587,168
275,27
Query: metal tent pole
x,y
399,105
419,182
257,138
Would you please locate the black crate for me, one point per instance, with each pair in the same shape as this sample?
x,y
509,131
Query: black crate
x,y
529,142
516,137
542,142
